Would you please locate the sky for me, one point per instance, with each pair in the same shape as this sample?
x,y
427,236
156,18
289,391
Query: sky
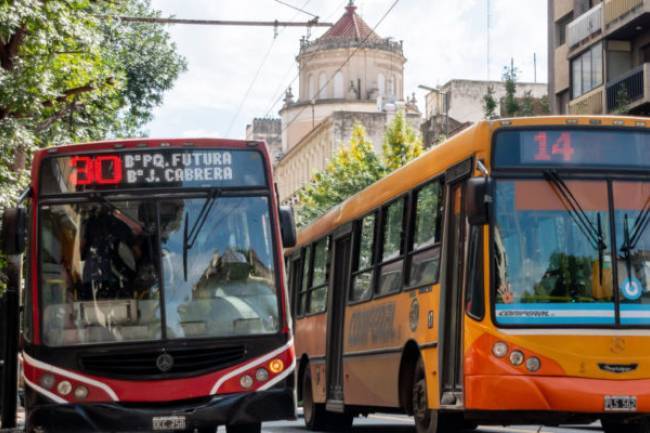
x,y
235,74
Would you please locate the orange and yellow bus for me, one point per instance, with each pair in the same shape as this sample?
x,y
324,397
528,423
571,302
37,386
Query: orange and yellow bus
x,y
503,277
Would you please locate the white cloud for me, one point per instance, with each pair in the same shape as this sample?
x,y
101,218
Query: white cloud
x,y
443,39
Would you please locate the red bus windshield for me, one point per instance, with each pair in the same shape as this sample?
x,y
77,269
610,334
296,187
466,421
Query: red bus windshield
x,y
128,267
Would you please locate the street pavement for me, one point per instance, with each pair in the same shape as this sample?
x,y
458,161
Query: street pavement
x,y
390,423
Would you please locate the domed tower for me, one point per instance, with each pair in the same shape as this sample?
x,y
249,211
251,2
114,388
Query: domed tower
x,y
349,68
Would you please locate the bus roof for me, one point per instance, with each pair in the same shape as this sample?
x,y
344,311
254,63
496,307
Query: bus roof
x,y
435,161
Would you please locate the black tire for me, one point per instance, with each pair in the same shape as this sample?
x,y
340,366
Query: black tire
x,y
314,413
426,420
637,426
317,418
245,428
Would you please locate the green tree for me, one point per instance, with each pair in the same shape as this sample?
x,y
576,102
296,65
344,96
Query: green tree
x,y
401,143
70,73
510,104
356,166
489,103
352,168
622,100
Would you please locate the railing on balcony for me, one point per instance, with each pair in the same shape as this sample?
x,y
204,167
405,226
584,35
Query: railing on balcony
x,y
615,9
589,103
625,89
587,24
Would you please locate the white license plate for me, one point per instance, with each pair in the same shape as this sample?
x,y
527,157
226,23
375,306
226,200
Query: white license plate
x,y
620,403
164,423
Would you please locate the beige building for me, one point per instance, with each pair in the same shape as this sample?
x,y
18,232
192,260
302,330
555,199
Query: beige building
x,y
268,130
459,103
599,56
348,74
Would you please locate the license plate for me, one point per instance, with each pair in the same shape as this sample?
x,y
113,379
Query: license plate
x,y
620,403
164,423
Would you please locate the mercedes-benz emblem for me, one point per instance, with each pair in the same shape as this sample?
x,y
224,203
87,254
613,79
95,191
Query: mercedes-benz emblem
x,y
165,362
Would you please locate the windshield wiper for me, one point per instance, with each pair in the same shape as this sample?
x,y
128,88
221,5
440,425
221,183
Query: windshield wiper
x,y
191,235
594,234
640,225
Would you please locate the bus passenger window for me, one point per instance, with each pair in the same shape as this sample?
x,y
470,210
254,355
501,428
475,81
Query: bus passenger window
x,y
303,292
425,255
362,277
390,277
318,288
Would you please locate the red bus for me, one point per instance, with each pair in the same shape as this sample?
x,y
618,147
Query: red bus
x,y
155,296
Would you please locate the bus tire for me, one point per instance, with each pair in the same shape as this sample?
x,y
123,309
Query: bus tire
x,y
314,413
244,428
426,420
637,426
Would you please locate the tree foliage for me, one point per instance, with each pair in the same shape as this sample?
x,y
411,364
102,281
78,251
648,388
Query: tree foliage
x,y
489,103
401,143
69,72
356,166
510,102
352,168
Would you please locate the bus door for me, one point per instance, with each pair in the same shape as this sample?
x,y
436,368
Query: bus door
x,y
342,252
451,305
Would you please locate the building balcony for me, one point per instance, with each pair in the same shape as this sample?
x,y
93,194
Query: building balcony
x,y
619,12
628,92
585,26
589,103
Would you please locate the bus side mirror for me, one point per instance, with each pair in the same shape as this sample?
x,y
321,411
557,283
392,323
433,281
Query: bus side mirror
x,y
288,227
14,231
478,200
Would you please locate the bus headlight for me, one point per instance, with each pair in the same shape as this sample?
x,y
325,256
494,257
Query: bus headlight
x,y
262,375
276,366
516,357
47,381
533,364
246,381
500,349
81,392
64,387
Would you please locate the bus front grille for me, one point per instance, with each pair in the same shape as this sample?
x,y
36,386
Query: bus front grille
x,y
156,363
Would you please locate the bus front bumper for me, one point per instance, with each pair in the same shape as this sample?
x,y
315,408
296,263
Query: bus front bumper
x,y
554,394
269,405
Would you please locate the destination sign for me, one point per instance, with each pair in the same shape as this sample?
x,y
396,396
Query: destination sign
x,y
560,147
162,168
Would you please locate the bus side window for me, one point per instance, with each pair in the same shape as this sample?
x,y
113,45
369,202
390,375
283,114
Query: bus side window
x,y
474,299
392,236
295,271
363,269
318,287
303,291
424,251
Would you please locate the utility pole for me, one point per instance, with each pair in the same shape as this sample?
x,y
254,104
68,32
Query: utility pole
x,y
488,39
535,66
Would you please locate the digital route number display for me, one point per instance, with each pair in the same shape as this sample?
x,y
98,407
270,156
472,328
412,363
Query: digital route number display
x,y
162,168
598,148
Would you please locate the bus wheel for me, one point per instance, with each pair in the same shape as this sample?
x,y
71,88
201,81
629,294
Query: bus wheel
x,y
637,426
244,428
426,420
314,413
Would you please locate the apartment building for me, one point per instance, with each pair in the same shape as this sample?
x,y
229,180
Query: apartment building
x,y
599,56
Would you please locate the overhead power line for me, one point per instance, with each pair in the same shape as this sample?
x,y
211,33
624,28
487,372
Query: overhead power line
x,y
153,20
296,8
345,62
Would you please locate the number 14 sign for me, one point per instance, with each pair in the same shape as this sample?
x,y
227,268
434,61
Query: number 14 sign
x,y
560,149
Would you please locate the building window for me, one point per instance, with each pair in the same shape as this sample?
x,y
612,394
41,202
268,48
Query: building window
x,y
560,29
391,86
587,71
381,84
322,86
338,85
312,87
